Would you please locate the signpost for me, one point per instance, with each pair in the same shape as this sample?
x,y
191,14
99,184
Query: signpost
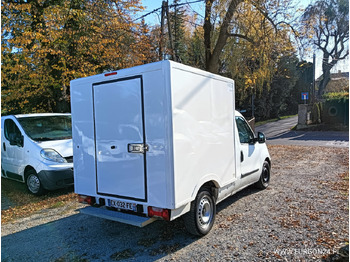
x,y
304,96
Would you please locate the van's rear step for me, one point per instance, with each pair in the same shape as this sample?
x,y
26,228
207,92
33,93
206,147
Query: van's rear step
x,y
117,216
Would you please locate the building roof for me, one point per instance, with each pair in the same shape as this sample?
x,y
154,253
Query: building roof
x,y
336,76
339,82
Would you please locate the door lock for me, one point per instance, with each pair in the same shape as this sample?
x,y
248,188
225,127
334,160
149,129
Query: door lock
x,y
137,148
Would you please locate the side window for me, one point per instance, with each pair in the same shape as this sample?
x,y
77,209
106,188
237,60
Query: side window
x,y
245,133
12,132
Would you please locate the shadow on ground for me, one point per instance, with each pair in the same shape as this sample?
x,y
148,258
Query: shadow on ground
x,y
85,238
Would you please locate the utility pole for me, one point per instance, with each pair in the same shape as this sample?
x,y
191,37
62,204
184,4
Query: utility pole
x,y
176,44
169,31
253,108
161,56
178,15
313,96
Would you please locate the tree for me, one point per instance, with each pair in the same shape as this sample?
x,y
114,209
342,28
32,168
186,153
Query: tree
x,y
178,33
47,43
304,83
212,54
257,60
281,90
223,12
178,24
145,44
196,50
326,26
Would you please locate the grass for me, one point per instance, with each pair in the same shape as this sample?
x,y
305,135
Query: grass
x,y
57,204
26,204
272,120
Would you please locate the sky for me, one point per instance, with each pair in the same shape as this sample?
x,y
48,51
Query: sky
x,y
151,5
154,18
154,4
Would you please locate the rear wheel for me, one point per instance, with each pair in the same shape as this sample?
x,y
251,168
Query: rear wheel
x,y
200,219
33,183
264,179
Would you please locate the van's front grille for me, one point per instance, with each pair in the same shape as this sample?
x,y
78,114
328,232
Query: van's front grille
x,y
69,159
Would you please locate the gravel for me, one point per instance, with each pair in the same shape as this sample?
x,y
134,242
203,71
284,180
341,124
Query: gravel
x,y
302,216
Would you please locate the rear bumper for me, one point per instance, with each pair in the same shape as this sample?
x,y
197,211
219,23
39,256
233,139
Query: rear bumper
x,y
55,179
117,216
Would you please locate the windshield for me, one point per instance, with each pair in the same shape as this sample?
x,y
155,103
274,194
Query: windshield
x,y
45,128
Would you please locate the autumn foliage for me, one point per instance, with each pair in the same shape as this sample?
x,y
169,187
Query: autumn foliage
x,y
47,43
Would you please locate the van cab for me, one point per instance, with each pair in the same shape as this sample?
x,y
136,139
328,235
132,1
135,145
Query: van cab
x,y
36,149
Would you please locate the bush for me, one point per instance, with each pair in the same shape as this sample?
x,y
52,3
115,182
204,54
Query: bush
x,y
335,108
337,96
316,113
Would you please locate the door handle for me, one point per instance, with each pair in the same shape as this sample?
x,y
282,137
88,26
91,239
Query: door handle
x,y
137,148
4,146
242,156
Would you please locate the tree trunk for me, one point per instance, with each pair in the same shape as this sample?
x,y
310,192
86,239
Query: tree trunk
x,y
324,82
212,57
207,26
326,71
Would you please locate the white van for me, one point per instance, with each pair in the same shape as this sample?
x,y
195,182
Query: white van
x,y
162,140
37,150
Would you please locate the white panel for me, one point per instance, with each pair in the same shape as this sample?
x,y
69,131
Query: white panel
x,y
158,136
83,138
203,132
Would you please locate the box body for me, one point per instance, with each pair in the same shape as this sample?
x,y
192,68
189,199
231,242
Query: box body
x,y
152,135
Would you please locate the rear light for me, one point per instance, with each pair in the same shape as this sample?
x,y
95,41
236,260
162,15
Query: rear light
x,y
86,199
111,74
159,212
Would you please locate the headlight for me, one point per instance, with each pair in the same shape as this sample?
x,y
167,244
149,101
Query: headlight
x,y
52,155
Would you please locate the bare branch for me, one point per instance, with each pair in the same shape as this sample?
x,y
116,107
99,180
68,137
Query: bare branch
x,y
245,37
266,15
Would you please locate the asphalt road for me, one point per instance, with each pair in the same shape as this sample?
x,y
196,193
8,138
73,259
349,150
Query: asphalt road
x,y
280,133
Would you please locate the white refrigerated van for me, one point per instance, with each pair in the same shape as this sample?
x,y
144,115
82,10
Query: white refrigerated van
x,y
161,140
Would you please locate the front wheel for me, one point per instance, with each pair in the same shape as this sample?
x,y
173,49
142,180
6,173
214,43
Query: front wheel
x,y
34,184
200,219
264,179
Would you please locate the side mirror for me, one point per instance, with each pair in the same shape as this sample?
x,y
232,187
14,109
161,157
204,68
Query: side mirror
x,y
17,141
261,137
20,141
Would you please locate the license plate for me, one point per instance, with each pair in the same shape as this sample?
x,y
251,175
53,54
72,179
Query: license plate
x,y
122,205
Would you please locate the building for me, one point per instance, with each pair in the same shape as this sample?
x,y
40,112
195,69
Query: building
x,y
339,82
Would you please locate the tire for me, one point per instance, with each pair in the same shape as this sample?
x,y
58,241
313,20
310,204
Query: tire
x,y
264,179
200,219
33,183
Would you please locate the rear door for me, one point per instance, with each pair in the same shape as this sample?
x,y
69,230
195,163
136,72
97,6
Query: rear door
x,y
120,138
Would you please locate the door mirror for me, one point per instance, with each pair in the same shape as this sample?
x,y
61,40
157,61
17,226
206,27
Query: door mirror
x,y
261,137
17,140
20,141
252,140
